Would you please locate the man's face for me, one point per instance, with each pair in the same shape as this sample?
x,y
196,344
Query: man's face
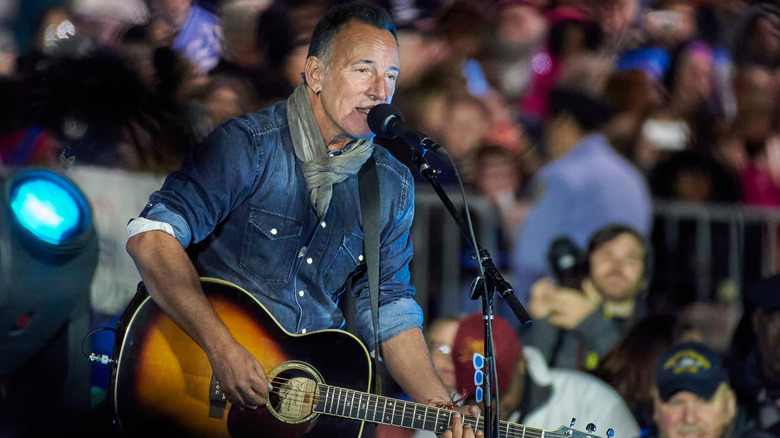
x,y
363,68
617,268
686,415
442,338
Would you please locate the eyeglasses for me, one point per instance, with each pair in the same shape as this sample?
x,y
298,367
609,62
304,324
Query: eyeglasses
x,y
479,376
442,349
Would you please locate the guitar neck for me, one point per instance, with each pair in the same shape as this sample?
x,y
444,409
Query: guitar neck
x,y
357,405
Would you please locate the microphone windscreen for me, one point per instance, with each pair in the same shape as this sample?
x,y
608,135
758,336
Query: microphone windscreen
x,y
378,117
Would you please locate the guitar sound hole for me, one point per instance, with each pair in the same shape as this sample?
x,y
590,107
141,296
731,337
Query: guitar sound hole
x,y
293,397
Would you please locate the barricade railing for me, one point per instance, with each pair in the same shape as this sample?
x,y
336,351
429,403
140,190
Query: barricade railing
x,y
705,253
711,252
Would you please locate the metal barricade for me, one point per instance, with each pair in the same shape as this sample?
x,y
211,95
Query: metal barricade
x,y
708,253
702,253
441,268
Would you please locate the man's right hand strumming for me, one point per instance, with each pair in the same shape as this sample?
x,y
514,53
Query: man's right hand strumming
x,y
240,376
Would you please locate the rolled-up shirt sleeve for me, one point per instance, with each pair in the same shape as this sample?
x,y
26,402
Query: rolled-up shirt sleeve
x,y
158,217
394,317
214,177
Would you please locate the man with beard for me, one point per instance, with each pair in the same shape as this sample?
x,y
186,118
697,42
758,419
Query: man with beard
x,y
574,328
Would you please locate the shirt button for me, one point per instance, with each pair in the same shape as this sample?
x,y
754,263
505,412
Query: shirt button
x,y
309,260
303,331
274,231
360,257
322,224
301,293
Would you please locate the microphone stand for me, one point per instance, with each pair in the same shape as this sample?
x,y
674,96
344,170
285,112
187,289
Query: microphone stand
x,y
492,282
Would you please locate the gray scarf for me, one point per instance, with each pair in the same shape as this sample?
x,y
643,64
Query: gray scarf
x,y
321,171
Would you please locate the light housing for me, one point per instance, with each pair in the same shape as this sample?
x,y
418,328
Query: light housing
x,y
48,255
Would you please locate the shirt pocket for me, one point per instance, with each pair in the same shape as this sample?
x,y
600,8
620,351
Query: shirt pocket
x,y
270,245
344,263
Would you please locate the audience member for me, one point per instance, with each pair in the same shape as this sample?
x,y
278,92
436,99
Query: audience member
x,y
530,392
620,23
693,396
104,22
571,35
756,92
498,177
464,26
241,57
755,375
519,32
671,22
283,35
576,328
220,99
586,185
189,27
440,337
693,95
633,92
758,36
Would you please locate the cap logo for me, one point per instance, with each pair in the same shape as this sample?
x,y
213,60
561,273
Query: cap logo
x,y
687,361
473,345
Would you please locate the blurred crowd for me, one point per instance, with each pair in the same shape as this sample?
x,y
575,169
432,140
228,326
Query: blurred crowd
x,y
566,115
691,84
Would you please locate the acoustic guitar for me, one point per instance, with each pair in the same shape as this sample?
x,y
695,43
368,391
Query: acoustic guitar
x,y
162,383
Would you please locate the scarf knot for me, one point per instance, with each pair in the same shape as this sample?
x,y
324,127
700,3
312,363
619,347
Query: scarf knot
x,y
321,170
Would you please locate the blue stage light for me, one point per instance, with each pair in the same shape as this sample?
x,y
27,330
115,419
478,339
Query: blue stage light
x,y
48,206
48,257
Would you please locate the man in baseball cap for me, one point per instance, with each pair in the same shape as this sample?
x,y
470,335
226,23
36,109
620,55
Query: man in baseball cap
x,y
693,397
690,367
530,392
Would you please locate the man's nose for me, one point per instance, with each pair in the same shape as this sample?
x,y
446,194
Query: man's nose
x,y
689,415
378,90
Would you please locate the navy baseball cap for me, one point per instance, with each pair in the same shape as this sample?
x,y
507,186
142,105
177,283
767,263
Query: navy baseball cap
x,y
692,367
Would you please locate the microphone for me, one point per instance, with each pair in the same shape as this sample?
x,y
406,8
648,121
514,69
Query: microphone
x,y
386,121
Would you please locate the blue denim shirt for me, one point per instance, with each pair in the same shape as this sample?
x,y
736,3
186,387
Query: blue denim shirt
x,y
241,207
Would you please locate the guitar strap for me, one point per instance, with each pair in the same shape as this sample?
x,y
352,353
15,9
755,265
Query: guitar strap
x,y
368,183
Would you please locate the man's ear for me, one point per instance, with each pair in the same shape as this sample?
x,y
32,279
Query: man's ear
x,y
731,404
314,70
656,405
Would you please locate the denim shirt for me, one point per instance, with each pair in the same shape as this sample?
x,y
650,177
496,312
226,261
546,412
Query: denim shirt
x,y
241,207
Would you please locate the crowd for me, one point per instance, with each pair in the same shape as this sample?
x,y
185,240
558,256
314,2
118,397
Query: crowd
x,y
567,116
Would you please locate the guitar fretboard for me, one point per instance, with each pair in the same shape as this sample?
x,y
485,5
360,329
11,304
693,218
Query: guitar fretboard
x,y
357,405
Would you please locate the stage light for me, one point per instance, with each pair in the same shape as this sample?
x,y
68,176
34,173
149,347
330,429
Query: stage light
x,y
48,206
48,255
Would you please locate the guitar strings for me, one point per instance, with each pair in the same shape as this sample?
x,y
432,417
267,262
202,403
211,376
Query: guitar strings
x,y
433,414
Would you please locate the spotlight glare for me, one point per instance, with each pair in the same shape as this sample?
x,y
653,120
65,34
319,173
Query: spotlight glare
x,y
49,207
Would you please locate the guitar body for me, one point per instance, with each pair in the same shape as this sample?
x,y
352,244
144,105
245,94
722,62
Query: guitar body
x,y
162,382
